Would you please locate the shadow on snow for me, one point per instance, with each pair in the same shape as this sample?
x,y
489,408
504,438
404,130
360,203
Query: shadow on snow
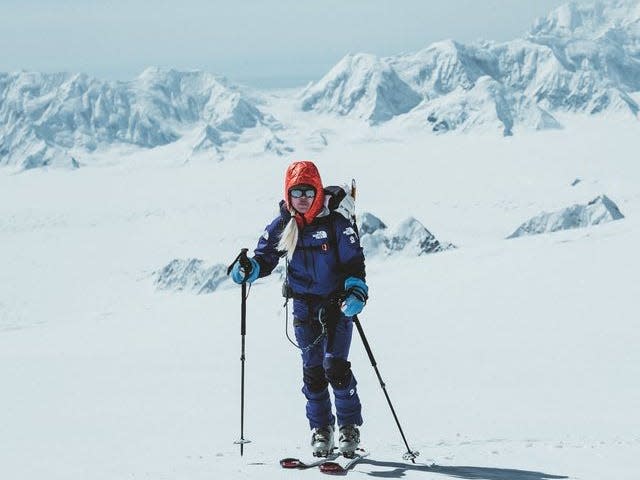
x,y
480,473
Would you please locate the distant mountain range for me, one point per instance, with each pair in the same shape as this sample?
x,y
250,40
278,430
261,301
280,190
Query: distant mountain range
x,y
43,117
577,59
583,59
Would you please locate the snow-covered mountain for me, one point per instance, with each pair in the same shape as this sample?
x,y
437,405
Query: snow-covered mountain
x,y
577,59
44,116
363,86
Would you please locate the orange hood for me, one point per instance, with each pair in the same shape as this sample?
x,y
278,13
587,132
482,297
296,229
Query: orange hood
x,y
304,173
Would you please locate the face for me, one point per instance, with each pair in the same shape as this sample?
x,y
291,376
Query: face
x,y
301,199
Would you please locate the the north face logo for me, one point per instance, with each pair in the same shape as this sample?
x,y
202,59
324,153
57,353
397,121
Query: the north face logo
x,y
319,235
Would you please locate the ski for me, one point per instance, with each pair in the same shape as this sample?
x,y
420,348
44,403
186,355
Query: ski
x,y
336,468
295,463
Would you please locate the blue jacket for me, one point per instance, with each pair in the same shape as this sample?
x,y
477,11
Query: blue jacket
x,y
328,252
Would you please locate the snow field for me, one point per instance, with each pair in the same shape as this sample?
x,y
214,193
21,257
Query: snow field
x,y
502,355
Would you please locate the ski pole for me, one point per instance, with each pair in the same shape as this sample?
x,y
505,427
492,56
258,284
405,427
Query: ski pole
x,y
246,265
409,455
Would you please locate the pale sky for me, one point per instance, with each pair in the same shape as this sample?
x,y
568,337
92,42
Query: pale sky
x,y
262,43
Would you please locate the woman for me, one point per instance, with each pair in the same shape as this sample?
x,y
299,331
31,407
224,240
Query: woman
x,y
326,279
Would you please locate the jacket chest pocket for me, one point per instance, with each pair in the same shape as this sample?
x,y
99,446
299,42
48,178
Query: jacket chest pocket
x,y
319,241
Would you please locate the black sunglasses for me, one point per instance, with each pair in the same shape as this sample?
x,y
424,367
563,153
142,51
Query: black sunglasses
x,y
299,192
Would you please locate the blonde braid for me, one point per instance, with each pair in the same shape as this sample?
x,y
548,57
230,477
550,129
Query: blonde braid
x,y
289,236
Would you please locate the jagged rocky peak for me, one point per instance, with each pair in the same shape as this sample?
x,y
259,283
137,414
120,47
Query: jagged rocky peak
x,y
209,140
278,146
30,152
410,237
362,86
599,210
368,223
190,275
45,156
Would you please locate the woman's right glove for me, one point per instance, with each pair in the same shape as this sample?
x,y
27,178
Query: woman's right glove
x,y
357,294
239,275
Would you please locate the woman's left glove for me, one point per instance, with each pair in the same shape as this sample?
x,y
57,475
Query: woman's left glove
x,y
239,276
356,296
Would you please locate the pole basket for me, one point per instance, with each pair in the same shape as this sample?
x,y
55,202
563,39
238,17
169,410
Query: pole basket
x,y
410,456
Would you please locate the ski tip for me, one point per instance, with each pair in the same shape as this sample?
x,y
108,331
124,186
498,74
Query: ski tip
x,y
335,468
332,468
290,463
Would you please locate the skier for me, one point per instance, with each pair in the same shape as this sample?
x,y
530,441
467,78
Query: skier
x,y
326,279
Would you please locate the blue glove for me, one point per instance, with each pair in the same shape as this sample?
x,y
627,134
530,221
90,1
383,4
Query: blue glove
x,y
238,274
357,295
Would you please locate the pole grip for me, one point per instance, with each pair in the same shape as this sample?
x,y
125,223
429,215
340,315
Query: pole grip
x,y
245,263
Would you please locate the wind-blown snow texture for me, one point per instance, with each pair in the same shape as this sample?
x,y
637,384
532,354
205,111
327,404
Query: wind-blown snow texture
x,y
578,59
